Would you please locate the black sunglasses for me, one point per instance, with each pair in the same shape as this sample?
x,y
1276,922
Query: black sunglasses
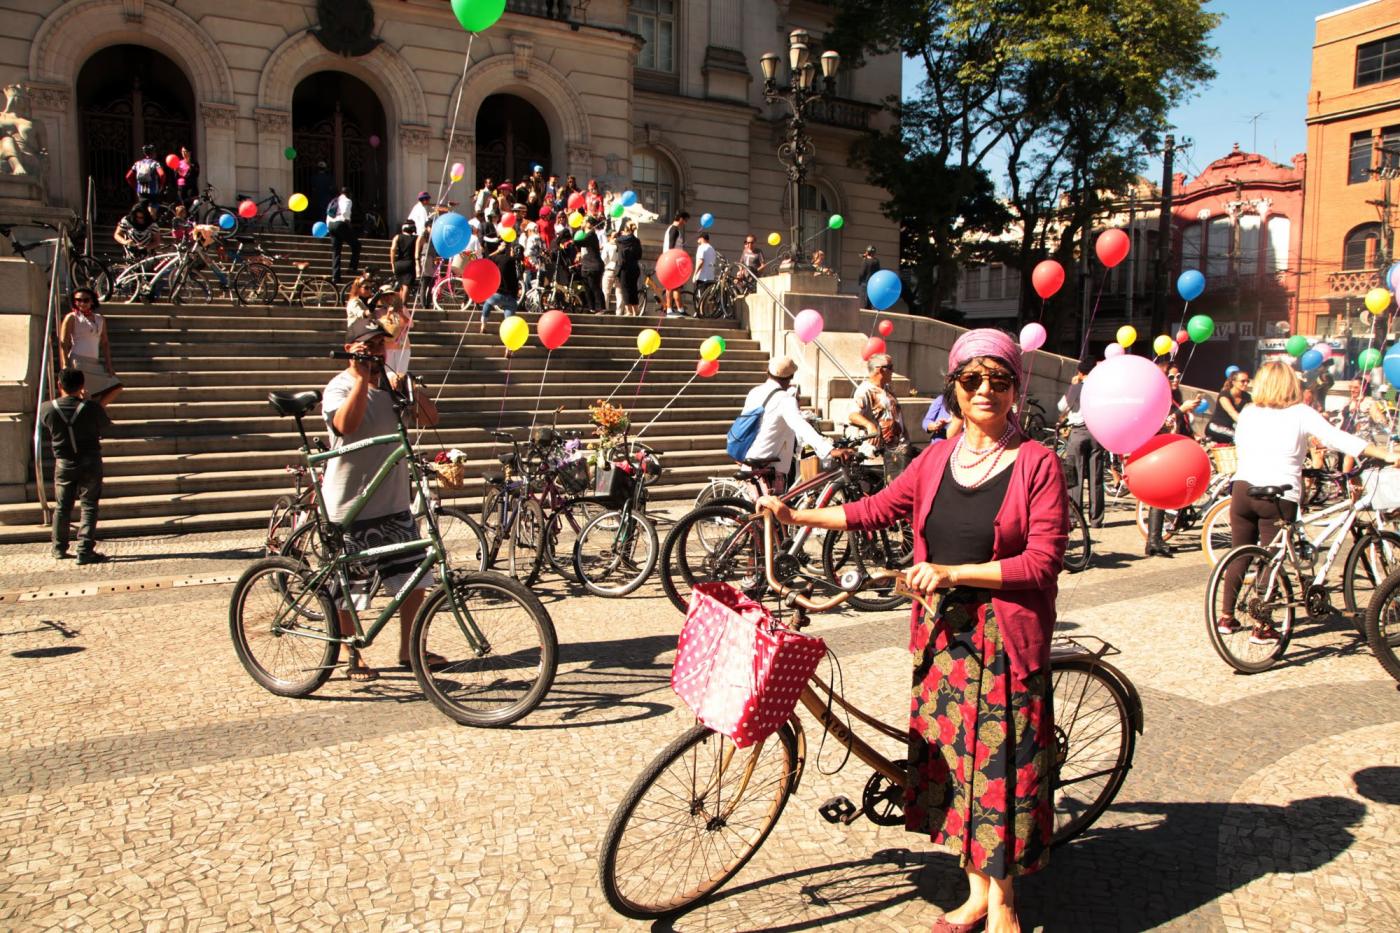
x,y
971,382
82,301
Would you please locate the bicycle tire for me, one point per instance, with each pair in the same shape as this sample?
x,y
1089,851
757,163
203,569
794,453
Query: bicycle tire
x,y
462,538
872,551
280,661
1373,557
686,560
507,679
1381,625
1079,549
317,292
1170,521
451,295
129,284
691,784
1216,538
193,287
562,528
1234,648
605,557
1091,745
522,553
255,283
89,272
722,488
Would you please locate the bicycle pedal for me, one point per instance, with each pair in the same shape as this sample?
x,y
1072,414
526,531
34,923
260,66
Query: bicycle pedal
x,y
838,810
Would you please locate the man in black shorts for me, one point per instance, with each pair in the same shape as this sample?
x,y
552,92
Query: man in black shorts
x,y
76,424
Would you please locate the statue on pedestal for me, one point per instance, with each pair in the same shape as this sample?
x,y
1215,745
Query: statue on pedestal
x,y
22,149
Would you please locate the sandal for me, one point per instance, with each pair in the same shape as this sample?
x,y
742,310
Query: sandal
x,y
358,672
944,925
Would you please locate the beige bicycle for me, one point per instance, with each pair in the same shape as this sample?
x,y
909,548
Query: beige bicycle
x,y
703,807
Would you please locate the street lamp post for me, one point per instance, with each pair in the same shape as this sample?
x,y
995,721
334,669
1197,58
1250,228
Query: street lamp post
x,y
800,94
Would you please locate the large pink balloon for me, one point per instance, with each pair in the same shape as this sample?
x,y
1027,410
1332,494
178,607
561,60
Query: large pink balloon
x,y
1112,247
1047,277
1324,348
808,325
1032,337
1124,402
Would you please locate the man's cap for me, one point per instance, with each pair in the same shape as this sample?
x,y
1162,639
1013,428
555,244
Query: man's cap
x,y
364,329
518,208
424,196
870,251
782,367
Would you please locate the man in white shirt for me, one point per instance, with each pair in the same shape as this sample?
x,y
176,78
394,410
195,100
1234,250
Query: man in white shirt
x,y
783,426
339,218
705,257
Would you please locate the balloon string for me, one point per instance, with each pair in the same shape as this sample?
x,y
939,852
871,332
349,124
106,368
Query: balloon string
x,y
1088,328
622,380
543,376
666,406
640,379
456,111
505,390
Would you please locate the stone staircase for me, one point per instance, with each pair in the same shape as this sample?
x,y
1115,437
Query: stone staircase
x,y
196,447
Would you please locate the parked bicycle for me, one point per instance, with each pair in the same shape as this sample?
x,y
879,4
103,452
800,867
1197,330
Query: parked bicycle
x,y
697,814
84,270
616,551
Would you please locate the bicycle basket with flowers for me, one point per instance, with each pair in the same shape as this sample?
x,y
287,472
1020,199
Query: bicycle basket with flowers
x,y
451,468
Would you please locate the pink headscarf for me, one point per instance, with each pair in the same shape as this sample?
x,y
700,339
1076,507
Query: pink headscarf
x,y
987,341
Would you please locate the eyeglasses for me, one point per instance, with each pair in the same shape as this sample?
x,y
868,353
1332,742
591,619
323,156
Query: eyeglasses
x,y
971,382
1174,377
82,301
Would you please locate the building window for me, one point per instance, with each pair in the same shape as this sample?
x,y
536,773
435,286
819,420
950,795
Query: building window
x,y
1219,235
655,22
1378,61
1247,260
655,184
1360,246
1390,149
972,288
1359,162
1276,245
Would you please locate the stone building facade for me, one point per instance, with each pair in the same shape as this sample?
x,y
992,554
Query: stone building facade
x,y
662,96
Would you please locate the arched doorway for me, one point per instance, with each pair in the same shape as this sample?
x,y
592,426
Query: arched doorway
x,y
338,122
511,139
129,95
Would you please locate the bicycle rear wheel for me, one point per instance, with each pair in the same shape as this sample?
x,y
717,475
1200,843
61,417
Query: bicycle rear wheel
x,y
1382,625
692,819
282,630
562,530
317,292
716,544
462,538
499,659
1215,531
515,550
1264,601
87,272
192,286
451,295
615,553
867,551
255,283
1094,743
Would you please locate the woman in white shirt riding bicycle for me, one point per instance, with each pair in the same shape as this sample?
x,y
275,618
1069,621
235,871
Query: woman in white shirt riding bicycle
x,y
1271,440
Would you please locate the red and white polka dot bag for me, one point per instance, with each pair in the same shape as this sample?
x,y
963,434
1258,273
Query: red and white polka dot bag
x,y
739,673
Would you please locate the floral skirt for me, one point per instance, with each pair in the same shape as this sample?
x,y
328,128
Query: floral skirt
x,y
980,745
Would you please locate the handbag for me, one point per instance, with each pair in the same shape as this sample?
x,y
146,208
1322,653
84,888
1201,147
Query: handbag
x,y
735,669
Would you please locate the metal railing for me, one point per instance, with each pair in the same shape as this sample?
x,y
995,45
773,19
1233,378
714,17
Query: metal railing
x,y
843,112
45,387
773,331
546,9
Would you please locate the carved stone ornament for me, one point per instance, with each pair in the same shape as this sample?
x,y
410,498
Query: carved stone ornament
x,y
272,122
346,27
43,96
219,116
413,137
22,142
134,11
462,141
524,49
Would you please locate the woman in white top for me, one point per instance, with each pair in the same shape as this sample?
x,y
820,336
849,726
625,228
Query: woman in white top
x,y
357,300
1271,440
83,344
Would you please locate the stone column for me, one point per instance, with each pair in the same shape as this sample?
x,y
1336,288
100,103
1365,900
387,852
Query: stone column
x,y
274,136
219,157
52,106
409,174
460,148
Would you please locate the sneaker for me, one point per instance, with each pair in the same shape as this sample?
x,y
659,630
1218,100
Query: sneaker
x,y
1226,625
1264,634
92,557
61,554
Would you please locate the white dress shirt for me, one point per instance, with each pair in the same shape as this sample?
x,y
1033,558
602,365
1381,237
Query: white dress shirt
x,y
782,426
340,209
704,262
1272,444
419,218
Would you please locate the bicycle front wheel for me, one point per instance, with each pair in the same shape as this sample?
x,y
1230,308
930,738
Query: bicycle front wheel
x,y
451,295
1382,625
255,283
692,819
1263,609
483,649
281,629
1215,531
616,552
714,544
562,530
1172,522
1373,557
1094,743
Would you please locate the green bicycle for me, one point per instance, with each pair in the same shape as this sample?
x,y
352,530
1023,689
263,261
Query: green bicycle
x,y
493,647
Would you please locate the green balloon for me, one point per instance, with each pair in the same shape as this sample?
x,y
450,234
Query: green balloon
x,y
1369,359
618,210
1200,328
722,345
478,15
290,153
1297,345
579,235
836,222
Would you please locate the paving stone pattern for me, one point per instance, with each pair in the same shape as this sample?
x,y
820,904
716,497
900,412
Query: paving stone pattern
x,y
148,784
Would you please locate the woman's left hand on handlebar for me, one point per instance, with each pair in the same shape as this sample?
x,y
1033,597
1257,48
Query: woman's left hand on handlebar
x,y
926,577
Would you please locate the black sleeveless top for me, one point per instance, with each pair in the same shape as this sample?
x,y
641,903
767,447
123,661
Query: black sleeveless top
x,y
961,525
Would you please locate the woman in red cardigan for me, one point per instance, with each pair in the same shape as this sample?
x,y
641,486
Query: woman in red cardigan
x,y
990,519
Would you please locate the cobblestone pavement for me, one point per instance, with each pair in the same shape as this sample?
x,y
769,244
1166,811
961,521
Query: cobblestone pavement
x,y
148,783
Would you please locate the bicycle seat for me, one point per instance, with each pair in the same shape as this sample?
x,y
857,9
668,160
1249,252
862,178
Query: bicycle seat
x,y
506,459
1268,492
759,463
294,404
301,264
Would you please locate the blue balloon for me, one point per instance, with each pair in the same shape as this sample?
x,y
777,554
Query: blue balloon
x,y
629,198
1390,364
1392,277
319,228
1230,371
451,234
227,221
883,289
1203,406
1190,284
1310,360
706,220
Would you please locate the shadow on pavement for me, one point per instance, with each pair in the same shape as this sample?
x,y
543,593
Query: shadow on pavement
x,y
1381,784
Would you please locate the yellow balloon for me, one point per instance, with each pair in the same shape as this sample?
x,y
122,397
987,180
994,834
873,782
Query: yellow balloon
x,y
774,239
514,332
1163,345
648,342
575,220
297,203
1127,336
710,349
508,234
1377,300
456,178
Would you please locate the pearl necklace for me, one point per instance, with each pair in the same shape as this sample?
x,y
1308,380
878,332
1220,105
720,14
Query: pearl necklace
x,y
961,471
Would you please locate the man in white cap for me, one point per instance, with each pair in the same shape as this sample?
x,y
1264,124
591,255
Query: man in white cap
x,y
783,426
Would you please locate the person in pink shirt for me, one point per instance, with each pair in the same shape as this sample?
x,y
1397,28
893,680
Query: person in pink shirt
x,y
990,520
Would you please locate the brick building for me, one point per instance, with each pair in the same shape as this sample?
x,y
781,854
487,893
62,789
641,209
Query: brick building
x,y
1353,120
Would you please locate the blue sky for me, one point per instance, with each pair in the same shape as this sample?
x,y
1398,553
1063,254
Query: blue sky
x,y
1263,66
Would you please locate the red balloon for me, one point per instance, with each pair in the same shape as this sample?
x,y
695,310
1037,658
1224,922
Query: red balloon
x,y
1168,472
1047,277
248,210
1112,247
1182,336
482,278
706,368
673,268
554,328
577,200
872,346
508,220
172,162
886,328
